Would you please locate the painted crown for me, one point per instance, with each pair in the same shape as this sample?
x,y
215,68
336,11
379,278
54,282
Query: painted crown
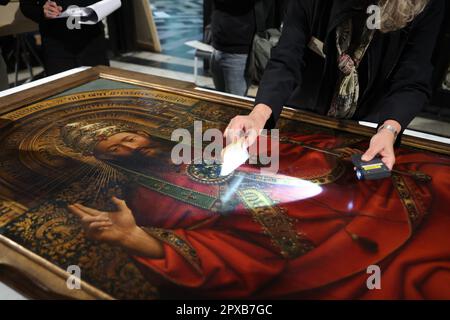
x,y
82,137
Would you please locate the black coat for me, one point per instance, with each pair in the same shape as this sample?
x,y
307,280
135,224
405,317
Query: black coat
x,y
397,65
57,28
233,25
234,22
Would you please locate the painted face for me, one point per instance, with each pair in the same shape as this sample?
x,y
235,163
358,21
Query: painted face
x,y
125,145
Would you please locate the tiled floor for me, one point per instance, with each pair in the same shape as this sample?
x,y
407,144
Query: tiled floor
x,y
178,21
164,66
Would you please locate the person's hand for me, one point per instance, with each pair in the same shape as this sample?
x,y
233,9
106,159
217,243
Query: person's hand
x,y
112,227
382,143
249,126
51,10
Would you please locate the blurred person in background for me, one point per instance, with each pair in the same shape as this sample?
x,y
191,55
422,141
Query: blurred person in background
x,y
65,48
233,26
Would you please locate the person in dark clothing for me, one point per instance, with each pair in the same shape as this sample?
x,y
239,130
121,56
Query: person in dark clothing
x,y
65,48
233,28
379,73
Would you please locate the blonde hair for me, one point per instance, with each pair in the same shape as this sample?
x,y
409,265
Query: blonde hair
x,y
396,14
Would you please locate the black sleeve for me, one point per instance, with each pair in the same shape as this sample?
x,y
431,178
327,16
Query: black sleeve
x,y
4,2
283,72
410,83
33,9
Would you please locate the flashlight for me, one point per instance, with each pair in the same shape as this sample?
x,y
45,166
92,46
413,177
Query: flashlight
x,y
370,170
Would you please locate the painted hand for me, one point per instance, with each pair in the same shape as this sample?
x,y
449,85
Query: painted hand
x,y
112,227
118,228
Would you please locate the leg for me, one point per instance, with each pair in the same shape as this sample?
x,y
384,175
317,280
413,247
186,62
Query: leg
x,y
233,66
216,70
4,84
17,62
195,69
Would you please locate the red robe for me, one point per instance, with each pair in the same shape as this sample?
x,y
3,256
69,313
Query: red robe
x,y
235,255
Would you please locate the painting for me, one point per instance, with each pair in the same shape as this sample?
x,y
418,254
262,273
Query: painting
x,y
86,180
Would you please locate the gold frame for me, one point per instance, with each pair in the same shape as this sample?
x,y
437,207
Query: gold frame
x,y
37,277
32,95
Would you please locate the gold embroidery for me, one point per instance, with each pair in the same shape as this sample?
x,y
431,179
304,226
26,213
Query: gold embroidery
x,y
53,233
206,173
276,224
179,244
414,213
9,210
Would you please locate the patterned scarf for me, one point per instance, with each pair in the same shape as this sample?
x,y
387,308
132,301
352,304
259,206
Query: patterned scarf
x,y
346,94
